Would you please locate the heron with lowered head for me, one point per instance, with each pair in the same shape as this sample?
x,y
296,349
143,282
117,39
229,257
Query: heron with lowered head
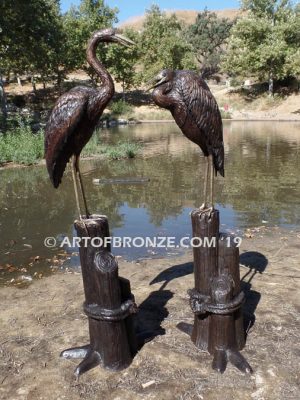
x,y
187,96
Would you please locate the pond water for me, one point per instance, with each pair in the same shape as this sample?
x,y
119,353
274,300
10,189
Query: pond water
x,y
261,186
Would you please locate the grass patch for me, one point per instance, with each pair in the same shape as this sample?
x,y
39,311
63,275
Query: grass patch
x,y
20,145
114,152
121,150
93,146
225,114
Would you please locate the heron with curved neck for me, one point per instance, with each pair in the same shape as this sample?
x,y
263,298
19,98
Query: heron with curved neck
x,y
75,116
187,96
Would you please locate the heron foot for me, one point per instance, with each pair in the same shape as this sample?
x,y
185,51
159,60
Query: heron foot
x,y
91,358
205,208
185,328
76,352
222,357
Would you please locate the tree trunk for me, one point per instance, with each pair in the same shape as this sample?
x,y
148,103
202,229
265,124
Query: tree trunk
x,y
59,80
3,101
271,84
33,83
19,80
123,94
7,77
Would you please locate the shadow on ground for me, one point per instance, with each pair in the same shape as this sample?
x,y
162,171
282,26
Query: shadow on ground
x,y
255,262
152,312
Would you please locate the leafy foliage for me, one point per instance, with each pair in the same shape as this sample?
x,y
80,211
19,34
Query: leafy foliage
x,y
122,60
207,37
162,44
31,37
265,42
120,107
80,22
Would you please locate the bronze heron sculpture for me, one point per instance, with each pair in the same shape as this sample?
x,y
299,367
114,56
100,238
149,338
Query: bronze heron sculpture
x,y
195,110
75,116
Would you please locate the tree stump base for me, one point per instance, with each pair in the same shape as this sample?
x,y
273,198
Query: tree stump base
x,y
109,304
217,299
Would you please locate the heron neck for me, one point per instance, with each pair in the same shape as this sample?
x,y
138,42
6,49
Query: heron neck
x,y
98,67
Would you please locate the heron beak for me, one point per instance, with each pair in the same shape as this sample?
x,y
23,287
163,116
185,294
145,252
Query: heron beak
x,y
123,40
153,83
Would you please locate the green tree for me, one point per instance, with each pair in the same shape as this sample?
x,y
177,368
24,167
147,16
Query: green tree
x,y
263,44
30,37
80,22
162,44
207,37
122,61
266,8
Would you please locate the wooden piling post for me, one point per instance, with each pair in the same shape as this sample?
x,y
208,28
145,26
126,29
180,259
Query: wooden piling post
x,y
206,229
108,304
229,261
217,298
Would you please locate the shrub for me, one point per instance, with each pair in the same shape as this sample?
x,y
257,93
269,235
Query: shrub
x,y
120,107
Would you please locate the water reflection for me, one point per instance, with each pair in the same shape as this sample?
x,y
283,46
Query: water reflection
x,y
261,184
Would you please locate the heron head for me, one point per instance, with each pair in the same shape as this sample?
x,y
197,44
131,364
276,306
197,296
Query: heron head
x,y
164,76
112,36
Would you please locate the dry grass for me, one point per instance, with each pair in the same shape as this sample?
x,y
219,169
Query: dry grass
x,y
151,113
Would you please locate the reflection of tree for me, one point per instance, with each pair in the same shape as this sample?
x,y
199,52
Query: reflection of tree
x,y
30,211
262,181
163,196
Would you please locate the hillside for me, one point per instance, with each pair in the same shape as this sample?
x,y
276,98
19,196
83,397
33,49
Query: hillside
x,y
186,16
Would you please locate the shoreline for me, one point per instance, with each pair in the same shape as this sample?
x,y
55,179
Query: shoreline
x,y
41,162
257,119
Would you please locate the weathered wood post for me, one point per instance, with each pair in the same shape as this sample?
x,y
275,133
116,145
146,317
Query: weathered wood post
x,y
217,298
206,229
108,304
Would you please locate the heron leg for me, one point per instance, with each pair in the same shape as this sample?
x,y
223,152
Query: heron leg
x,y
75,187
212,176
76,162
204,205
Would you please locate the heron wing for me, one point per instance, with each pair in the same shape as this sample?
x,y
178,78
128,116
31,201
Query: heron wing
x,y
63,122
201,106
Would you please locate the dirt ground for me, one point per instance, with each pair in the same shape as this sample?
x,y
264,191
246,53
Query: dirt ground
x,y
40,321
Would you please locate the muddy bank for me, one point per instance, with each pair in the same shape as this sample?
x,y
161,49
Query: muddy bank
x,y
38,322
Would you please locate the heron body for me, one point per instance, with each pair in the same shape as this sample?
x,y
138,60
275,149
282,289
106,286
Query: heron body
x,y
70,127
195,110
76,114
